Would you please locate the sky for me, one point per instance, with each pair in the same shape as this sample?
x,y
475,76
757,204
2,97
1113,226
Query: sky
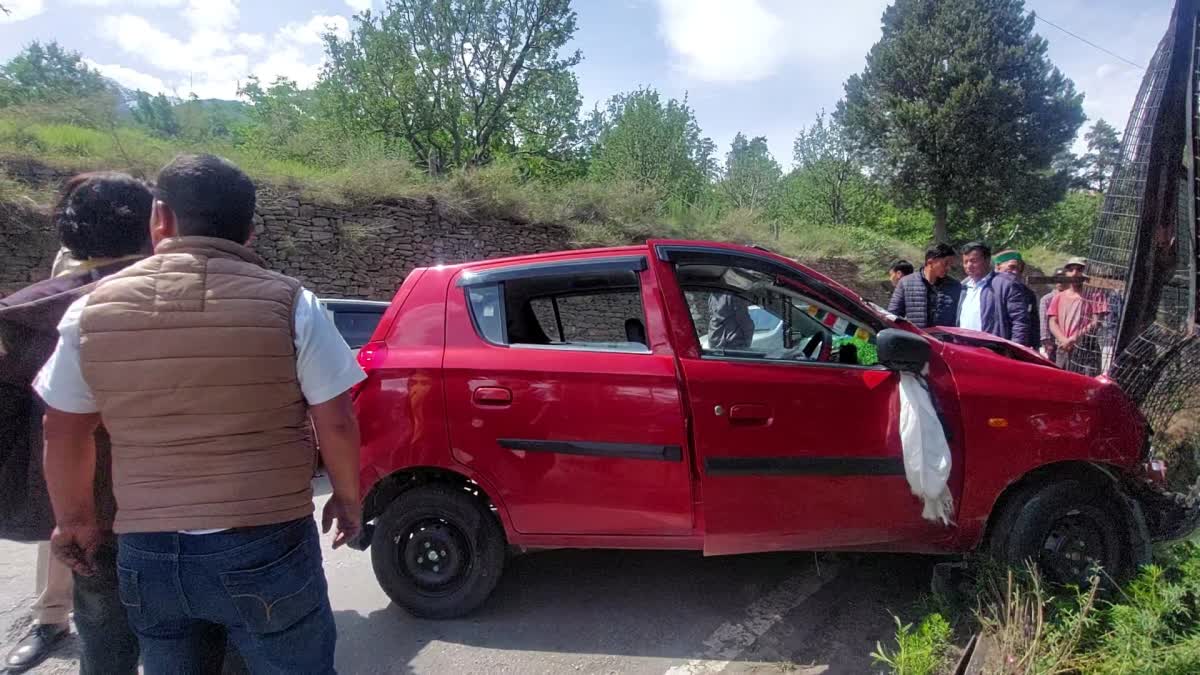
x,y
760,67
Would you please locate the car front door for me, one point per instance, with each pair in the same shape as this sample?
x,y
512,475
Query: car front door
x,y
562,392
797,444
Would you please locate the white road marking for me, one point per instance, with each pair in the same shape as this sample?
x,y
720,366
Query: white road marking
x,y
730,639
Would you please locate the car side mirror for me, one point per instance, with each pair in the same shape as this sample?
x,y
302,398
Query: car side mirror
x,y
901,350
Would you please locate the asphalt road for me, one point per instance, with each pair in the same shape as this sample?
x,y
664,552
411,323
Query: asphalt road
x,y
602,612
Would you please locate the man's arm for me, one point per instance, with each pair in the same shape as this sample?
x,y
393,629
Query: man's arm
x,y
338,439
70,467
896,304
1017,306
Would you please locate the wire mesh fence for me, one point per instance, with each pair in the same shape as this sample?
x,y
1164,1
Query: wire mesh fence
x,y
1134,313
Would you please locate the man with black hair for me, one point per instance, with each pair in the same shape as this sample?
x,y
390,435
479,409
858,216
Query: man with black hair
x,y
930,297
991,302
205,369
899,270
101,220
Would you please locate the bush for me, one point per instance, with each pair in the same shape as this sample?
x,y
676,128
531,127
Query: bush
x,y
1151,625
919,652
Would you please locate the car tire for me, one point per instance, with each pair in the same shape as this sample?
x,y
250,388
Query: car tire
x,y
1067,528
438,551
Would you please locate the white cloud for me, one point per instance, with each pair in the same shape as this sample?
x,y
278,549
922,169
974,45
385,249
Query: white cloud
x,y
311,32
358,5
213,15
20,10
127,3
128,77
250,41
723,42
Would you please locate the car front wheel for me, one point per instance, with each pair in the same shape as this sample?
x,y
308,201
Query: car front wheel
x,y
1070,530
438,551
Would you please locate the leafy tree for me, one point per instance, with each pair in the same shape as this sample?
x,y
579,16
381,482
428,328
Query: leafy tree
x,y
828,185
751,173
157,113
1104,152
48,74
963,110
457,80
281,115
660,146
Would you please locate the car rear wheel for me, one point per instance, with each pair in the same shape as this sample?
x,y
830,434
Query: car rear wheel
x,y
1069,529
438,551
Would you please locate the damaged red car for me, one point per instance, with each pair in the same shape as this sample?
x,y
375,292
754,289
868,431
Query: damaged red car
x,y
692,395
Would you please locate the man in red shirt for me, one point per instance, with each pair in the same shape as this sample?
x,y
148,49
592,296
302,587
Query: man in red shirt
x,y
1075,315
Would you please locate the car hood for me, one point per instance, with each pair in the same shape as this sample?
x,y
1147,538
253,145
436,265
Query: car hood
x,y
974,338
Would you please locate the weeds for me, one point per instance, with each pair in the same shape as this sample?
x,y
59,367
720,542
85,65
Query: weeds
x,y
917,652
1150,625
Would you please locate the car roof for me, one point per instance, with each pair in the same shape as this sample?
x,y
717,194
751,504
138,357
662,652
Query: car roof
x,y
644,249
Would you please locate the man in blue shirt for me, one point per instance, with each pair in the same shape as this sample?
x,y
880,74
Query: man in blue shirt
x,y
991,302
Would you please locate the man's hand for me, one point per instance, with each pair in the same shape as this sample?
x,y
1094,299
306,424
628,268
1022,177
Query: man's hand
x,y
348,515
75,546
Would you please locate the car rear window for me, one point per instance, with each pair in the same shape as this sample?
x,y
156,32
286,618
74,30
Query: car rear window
x,y
357,325
596,312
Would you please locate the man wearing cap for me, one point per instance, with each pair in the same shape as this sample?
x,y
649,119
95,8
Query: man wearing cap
x,y
1010,262
1075,316
992,303
1049,348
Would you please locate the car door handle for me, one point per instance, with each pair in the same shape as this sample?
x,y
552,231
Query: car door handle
x,y
750,413
492,396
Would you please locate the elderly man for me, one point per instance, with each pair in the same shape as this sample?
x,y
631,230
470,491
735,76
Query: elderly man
x,y
1011,262
992,303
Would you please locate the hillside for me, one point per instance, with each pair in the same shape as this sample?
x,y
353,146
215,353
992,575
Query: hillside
x,y
35,157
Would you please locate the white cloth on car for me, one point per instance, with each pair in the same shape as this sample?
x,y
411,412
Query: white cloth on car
x,y
926,452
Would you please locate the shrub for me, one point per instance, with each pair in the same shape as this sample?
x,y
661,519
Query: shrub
x,y
917,652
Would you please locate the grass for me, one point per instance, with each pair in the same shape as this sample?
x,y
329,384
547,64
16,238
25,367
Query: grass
x,y
1151,625
598,214
917,652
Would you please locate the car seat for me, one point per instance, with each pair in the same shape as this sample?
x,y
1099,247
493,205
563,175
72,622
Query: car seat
x,y
635,331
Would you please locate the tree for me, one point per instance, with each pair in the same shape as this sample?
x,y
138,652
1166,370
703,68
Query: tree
x,y
827,185
751,173
157,113
640,139
962,109
1104,152
453,77
48,74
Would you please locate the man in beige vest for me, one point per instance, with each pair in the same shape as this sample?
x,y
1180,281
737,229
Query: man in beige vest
x,y
205,369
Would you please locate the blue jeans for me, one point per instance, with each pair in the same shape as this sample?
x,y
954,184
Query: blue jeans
x,y
265,585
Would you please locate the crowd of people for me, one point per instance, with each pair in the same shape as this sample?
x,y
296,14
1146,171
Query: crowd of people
x,y
206,369
994,297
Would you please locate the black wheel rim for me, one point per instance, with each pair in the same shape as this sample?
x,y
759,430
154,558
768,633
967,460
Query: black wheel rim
x,y
435,554
1074,548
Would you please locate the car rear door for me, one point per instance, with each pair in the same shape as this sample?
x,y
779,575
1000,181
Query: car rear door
x,y
562,391
797,450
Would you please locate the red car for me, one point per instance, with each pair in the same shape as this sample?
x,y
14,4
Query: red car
x,y
611,399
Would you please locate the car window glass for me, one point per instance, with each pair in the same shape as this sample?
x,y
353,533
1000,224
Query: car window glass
x,y
356,326
487,312
747,314
593,312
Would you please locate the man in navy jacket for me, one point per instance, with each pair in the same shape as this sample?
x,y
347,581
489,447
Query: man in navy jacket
x,y
993,302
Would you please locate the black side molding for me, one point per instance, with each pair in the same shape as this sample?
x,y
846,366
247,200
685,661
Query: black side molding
x,y
804,466
662,453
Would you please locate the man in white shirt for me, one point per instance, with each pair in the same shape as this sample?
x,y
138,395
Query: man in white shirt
x,y
992,302
205,369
